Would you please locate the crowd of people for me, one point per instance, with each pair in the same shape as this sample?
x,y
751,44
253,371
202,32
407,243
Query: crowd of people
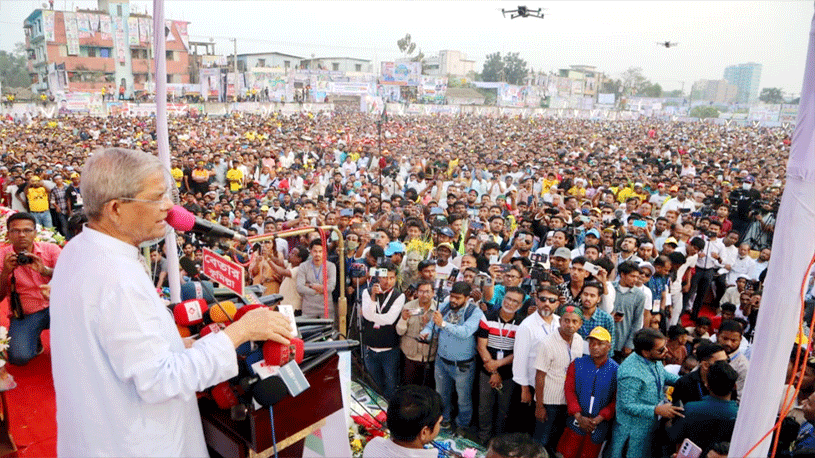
x,y
621,262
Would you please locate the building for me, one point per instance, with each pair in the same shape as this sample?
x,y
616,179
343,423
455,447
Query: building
x,y
717,91
268,60
448,63
338,64
747,78
110,46
585,78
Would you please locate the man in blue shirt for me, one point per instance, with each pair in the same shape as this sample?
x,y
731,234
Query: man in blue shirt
x,y
455,325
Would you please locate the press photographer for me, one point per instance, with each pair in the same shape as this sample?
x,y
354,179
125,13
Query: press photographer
x,y
27,269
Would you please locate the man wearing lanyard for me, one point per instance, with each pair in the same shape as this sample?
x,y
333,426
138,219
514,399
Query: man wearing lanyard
x,y
496,338
455,324
381,306
532,330
555,353
641,381
591,389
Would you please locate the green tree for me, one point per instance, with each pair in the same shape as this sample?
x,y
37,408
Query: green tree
x,y
407,47
652,90
493,68
674,93
633,81
611,86
703,111
771,95
13,68
515,69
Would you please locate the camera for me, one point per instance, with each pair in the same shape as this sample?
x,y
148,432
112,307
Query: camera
x,y
378,272
24,258
358,270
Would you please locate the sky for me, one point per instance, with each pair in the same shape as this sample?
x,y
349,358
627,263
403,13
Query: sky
x,y
611,35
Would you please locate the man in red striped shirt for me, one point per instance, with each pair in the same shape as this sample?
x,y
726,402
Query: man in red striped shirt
x,y
495,341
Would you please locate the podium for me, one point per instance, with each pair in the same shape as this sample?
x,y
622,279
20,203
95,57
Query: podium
x,y
294,419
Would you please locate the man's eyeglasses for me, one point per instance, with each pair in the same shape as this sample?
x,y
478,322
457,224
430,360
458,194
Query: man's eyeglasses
x,y
166,196
551,300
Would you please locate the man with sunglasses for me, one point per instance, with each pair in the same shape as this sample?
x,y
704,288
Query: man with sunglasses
x,y
532,330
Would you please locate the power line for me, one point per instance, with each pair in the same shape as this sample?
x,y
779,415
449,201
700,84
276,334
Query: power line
x,y
290,43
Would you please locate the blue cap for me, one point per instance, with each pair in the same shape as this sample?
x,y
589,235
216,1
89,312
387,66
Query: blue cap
x,y
447,231
393,248
593,232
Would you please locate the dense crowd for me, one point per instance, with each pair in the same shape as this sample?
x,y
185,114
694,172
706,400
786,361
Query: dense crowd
x,y
612,258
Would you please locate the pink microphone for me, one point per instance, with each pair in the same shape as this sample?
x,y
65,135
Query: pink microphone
x,y
182,220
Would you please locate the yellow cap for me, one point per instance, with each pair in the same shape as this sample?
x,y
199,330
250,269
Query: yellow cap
x,y
600,333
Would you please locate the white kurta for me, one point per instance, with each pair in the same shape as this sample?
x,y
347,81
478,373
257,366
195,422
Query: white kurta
x,y
125,384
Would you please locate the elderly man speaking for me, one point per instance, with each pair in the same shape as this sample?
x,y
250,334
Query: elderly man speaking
x,y
125,380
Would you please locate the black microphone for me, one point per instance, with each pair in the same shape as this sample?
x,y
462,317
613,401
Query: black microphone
x,y
182,220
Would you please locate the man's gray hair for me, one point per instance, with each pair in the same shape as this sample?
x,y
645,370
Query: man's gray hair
x,y
112,173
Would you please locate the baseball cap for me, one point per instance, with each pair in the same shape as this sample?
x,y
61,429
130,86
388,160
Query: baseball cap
x,y
593,232
447,231
563,252
672,241
445,245
394,247
674,188
647,265
600,333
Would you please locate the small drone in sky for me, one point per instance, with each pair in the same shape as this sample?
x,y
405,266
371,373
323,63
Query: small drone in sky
x,y
523,11
667,44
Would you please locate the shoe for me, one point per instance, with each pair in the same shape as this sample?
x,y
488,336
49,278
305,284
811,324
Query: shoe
x,y
445,425
466,434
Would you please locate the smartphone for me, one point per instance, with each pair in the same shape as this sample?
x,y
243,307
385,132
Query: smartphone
x,y
689,450
538,257
640,223
608,251
591,268
493,259
476,225
504,267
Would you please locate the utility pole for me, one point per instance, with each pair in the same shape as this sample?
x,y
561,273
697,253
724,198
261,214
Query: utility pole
x,y
235,67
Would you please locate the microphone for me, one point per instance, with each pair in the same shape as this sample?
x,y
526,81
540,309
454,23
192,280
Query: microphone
x,y
190,312
278,354
182,220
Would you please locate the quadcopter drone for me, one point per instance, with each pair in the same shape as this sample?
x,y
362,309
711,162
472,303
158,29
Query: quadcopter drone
x,y
523,11
667,44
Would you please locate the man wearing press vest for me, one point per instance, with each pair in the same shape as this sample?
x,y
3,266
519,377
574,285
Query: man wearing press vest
x,y
382,305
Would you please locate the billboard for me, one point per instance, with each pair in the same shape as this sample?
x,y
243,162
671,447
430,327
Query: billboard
x,y
401,73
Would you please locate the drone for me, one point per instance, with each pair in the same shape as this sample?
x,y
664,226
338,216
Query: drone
x,y
523,11
667,44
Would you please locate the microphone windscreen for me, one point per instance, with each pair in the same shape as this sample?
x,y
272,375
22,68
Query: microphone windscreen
x,y
243,310
224,396
184,331
209,329
278,354
269,391
180,219
190,312
222,312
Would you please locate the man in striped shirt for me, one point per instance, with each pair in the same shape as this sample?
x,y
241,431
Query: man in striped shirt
x,y
555,353
495,341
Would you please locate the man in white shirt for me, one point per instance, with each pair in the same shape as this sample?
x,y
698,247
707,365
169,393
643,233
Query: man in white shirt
x,y
414,420
678,203
742,266
113,337
530,333
706,266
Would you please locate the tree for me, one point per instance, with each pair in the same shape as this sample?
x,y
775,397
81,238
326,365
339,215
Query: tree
x,y
515,69
703,111
771,95
493,68
13,68
611,86
652,90
674,93
408,47
633,81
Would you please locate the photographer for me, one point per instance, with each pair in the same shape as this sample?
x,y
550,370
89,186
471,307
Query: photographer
x,y
382,305
27,269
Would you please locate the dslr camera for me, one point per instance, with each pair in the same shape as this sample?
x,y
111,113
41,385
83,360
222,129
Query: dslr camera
x,y
24,258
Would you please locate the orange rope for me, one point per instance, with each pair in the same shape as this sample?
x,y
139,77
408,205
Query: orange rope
x,y
787,406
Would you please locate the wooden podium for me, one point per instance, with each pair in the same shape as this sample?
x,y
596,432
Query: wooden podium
x,y
294,419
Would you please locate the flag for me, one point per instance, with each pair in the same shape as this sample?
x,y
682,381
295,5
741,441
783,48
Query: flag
x,y
793,246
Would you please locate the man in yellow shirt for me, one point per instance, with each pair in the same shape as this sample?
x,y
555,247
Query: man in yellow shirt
x,y
234,177
38,205
177,173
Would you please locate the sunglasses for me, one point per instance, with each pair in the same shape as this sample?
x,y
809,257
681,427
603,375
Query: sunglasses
x,y
551,300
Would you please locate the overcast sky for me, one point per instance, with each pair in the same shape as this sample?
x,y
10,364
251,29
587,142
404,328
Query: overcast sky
x,y
610,35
